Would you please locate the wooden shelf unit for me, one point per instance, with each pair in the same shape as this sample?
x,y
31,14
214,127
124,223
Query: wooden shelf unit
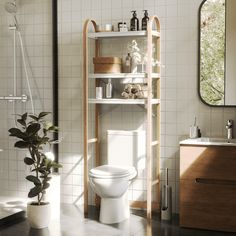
x,y
148,103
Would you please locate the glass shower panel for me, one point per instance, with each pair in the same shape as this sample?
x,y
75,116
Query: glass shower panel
x,y
25,69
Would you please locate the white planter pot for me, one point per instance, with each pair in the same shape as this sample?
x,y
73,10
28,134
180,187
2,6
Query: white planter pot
x,y
38,215
53,196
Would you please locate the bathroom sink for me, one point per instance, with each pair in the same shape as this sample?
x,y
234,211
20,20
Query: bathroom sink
x,y
216,140
209,141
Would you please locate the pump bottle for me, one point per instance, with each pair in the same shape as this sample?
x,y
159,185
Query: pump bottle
x,y
145,20
134,22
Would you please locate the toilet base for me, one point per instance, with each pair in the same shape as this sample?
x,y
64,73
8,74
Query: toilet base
x,y
114,210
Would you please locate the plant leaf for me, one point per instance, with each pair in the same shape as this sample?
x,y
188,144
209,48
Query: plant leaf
x,y
42,170
56,165
34,117
22,122
28,161
17,133
34,191
33,129
21,144
44,140
45,179
24,116
53,128
33,179
42,114
46,185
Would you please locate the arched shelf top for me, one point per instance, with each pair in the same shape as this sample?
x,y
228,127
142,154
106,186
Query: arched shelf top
x,y
86,25
154,19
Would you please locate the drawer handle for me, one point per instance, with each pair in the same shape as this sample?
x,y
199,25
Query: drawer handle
x,y
215,181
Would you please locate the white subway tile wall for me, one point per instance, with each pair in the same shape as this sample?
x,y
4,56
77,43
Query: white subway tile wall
x,y
180,101
35,25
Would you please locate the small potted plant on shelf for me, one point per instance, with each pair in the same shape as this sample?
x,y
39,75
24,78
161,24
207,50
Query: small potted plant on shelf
x,y
34,133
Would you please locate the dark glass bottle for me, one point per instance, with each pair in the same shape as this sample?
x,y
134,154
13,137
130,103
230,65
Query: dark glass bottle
x,y
127,64
134,22
145,20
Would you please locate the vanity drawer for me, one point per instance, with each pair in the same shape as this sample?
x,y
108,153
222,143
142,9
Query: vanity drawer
x,y
208,205
213,162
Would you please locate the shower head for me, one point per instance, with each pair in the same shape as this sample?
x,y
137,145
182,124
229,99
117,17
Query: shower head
x,y
10,7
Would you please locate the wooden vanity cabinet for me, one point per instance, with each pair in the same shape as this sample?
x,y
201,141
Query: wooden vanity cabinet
x,y
208,187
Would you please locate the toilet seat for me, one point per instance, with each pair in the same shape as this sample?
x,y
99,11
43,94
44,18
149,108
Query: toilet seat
x,y
112,172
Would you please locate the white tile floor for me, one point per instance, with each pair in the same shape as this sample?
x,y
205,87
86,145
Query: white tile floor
x,y
72,223
10,206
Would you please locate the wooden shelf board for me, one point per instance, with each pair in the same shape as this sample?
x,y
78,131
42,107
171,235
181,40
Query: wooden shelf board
x,y
122,101
122,34
122,75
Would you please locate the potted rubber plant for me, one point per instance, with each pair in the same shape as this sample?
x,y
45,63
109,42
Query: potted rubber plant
x,y
34,133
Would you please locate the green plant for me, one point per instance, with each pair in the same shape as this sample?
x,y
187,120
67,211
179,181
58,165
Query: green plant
x,y
34,134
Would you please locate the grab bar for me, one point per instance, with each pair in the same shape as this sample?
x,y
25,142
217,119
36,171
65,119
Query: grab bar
x,y
11,98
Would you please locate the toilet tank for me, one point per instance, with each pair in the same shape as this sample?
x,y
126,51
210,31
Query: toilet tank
x,y
125,148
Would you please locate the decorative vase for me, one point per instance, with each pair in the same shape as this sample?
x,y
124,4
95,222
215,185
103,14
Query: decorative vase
x,y
134,65
38,215
141,68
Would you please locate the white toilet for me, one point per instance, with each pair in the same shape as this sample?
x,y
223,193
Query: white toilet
x,y
111,181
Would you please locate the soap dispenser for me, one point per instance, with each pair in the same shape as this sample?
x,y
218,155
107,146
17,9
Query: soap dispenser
x,y
134,22
145,20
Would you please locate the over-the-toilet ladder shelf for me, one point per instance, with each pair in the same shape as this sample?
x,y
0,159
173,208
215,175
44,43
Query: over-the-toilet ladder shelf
x,y
148,103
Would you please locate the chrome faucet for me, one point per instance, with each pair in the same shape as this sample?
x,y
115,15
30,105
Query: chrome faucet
x,y
229,128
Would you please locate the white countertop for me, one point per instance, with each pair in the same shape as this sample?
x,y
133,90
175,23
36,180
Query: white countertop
x,y
209,142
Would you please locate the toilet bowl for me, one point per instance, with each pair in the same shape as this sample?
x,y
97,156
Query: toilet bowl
x,y
111,183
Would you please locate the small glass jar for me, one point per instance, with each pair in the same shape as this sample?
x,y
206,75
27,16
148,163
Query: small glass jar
x,y
122,27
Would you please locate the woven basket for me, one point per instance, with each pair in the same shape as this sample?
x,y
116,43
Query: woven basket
x,y
107,64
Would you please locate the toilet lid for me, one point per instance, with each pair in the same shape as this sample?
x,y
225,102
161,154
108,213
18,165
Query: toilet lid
x,y
109,171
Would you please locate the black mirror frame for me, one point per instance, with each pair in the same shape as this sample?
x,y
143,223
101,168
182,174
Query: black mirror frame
x,y
55,74
199,60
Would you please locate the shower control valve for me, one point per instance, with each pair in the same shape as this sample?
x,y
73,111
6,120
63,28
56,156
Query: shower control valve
x,y
24,98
